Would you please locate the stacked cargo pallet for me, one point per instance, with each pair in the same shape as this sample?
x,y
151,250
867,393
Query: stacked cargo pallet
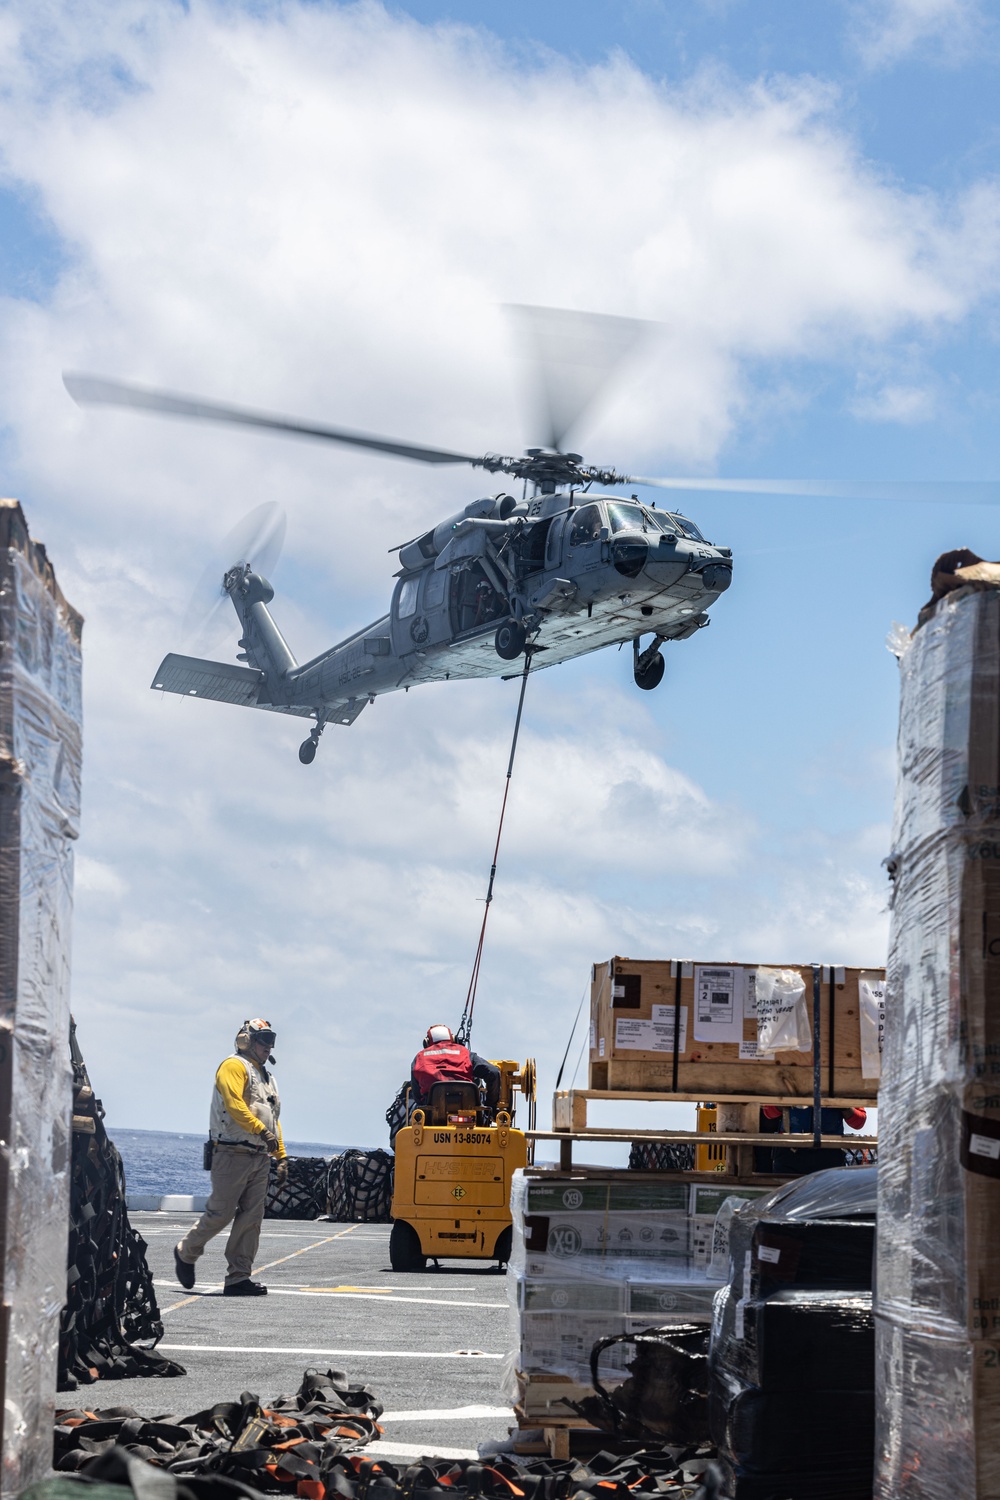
x,y
596,1254
938,1298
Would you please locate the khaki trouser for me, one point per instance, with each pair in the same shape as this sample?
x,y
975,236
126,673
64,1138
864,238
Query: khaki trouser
x,y
239,1188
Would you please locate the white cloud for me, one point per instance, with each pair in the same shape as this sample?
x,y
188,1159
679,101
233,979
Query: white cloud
x,y
888,30
905,404
319,209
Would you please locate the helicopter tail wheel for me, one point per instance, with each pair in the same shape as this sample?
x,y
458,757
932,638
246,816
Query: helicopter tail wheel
x,y
308,748
650,674
510,640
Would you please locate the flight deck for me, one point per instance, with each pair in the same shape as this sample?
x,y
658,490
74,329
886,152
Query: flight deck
x,y
430,1344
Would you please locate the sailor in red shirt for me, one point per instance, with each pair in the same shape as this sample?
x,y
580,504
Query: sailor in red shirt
x,y
443,1060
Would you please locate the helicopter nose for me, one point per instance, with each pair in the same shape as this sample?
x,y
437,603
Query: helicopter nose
x,y
629,556
717,576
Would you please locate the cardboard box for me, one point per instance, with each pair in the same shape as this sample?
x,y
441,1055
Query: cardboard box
x,y
652,1303
588,1241
635,1025
616,1193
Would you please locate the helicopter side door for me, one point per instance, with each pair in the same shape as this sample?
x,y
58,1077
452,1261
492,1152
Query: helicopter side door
x,y
583,545
409,625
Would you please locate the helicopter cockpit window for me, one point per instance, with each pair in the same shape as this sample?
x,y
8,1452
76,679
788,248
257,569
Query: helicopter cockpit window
x,y
689,528
407,604
625,517
664,521
586,527
434,582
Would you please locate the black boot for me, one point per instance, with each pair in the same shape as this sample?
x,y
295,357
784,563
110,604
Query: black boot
x,y
185,1272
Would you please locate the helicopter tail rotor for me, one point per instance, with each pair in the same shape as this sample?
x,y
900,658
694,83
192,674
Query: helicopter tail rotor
x,y
254,542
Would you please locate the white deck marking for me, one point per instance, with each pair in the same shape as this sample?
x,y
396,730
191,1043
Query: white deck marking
x,y
210,1288
447,1414
407,1450
340,1353
377,1296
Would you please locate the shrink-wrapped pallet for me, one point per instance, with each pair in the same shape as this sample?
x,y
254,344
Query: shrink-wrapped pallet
x,y
938,1281
598,1255
791,1396
39,811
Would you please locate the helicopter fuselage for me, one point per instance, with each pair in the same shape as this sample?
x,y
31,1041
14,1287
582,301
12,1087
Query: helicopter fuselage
x,y
559,574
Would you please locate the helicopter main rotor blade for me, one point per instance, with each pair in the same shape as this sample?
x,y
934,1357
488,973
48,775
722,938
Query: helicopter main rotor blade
x,y
574,357
953,491
93,390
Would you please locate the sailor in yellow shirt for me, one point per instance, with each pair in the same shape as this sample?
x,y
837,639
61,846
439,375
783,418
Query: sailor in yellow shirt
x,y
245,1133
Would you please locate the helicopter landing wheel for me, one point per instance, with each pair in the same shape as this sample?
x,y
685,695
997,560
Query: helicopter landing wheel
x,y
510,640
308,748
652,675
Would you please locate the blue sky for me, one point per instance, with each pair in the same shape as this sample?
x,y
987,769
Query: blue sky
x,y
319,209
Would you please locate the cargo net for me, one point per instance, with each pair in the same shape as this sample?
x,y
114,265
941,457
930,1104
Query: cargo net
x,y
359,1187
111,1319
294,1445
311,1445
661,1156
303,1194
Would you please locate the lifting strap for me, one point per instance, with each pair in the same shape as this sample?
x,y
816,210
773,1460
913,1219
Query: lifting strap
x,y
464,1032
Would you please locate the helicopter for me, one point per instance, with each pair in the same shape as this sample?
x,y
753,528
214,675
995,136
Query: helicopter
x,y
562,571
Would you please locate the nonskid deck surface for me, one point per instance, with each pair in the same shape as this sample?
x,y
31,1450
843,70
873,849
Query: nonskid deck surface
x,y
430,1345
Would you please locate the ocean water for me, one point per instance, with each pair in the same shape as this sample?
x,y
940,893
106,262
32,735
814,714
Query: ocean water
x,y
162,1161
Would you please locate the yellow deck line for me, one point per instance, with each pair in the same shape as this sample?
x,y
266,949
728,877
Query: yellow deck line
x,y
186,1301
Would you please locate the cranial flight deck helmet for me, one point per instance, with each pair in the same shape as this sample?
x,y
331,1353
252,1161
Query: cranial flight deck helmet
x,y
438,1034
255,1031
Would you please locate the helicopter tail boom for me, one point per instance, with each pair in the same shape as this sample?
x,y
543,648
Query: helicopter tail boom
x,y
222,682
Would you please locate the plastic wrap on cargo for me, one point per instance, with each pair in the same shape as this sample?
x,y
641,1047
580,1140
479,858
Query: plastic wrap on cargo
x,y
796,1340
616,1228
938,1297
593,1257
768,1254
40,740
839,1483
763,1433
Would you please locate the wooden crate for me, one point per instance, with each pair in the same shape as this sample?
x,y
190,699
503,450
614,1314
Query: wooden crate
x,y
625,989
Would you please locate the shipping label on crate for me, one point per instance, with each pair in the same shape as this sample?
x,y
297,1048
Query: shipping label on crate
x,y
871,1009
783,1020
654,1035
718,1003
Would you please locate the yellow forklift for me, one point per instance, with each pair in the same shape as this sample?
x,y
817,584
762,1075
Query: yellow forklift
x,y
454,1162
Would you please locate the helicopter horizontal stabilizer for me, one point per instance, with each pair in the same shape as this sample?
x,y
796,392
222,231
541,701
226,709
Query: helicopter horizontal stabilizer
x,y
192,677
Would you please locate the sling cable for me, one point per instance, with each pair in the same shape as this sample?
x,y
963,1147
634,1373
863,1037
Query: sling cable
x,y
464,1033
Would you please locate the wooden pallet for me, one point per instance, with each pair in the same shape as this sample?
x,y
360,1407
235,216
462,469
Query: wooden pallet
x,y
739,1144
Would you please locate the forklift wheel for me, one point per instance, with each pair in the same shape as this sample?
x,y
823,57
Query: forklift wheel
x,y
405,1253
503,1245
